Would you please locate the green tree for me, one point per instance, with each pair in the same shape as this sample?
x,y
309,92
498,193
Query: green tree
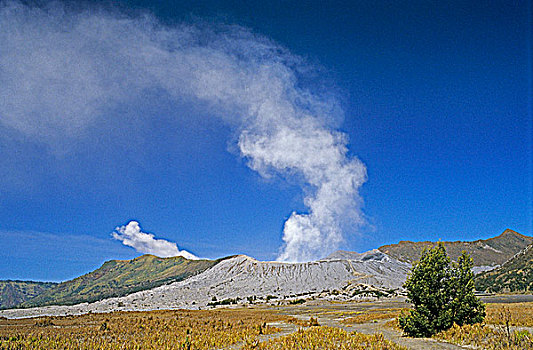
x,y
466,307
427,289
441,294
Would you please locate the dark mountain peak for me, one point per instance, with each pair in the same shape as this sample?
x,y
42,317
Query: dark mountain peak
x,y
509,232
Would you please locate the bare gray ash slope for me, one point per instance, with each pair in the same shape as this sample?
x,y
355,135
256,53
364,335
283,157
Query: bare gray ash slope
x,y
241,277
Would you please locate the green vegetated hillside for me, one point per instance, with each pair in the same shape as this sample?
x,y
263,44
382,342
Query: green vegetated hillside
x,y
487,252
120,277
515,276
15,292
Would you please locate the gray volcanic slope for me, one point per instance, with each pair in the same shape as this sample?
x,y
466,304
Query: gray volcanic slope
x,y
242,277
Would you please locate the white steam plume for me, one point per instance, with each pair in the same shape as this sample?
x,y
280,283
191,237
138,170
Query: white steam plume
x,y
63,72
132,236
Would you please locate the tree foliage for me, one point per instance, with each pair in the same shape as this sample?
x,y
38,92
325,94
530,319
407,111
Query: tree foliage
x,y
442,293
466,307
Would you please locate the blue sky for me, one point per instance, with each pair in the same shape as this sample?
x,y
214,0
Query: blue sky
x,y
433,98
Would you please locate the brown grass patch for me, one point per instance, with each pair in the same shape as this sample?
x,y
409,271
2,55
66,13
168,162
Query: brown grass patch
x,y
325,338
177,329
518,314
488,338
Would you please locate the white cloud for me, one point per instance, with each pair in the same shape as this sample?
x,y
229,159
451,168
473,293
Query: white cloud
x,y
132,236
62,73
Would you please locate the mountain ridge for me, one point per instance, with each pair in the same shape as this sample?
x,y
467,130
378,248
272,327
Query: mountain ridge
x,y
514,276
484,252
244,280
149,282
120,277
15,292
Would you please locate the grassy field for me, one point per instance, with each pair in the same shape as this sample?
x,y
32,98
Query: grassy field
x,y
180,329
215,329
488,338
517,314
504,329
325,338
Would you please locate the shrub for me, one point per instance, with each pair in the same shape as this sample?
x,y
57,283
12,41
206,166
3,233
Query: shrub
x,y
441,293
297,301
313,322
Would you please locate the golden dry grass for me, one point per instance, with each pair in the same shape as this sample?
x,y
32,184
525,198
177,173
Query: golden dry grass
x,y
179,329
324,338
488,338
518,314
499,331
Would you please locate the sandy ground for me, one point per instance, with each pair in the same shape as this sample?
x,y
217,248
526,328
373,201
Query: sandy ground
x,y
329,315
332,320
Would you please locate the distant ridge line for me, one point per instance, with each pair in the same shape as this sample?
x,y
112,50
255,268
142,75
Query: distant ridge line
x,y
485,252
506,232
